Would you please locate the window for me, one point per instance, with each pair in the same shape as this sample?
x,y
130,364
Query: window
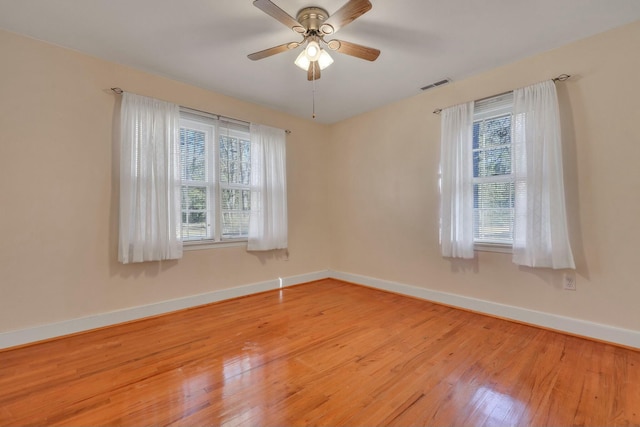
x,y
501,179
215,172
493,177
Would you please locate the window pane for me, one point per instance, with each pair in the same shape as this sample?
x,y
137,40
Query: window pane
x,y
194,225
229,156
224,162
492,162
498,131
493,211
476,135
235,164
245,162
233,153
194,198
235,224
245,150
233,199
229,199
192,154
228,159
197,217
235,213
493,225
493,195
491,132
246,200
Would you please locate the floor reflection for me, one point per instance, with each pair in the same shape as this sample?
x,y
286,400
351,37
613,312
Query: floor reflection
x,y
500,408
234,368
241,385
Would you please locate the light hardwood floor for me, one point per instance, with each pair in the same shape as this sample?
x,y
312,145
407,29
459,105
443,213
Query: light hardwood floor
x,y
322,353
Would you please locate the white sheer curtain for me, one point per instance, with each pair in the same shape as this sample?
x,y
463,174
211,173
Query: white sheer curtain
x,y
456,167
541,237
268,217
149,180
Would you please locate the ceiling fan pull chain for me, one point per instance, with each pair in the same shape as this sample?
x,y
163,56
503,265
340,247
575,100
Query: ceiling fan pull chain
x,y
313,93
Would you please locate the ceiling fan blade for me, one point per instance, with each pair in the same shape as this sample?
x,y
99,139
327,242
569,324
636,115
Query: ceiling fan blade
x,y
274,11
272,51
348,13
313,72
353,49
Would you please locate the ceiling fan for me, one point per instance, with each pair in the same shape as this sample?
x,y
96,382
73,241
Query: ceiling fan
x,y
313,24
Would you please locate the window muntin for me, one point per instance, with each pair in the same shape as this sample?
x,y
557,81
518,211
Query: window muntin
x,y
215,179
493,179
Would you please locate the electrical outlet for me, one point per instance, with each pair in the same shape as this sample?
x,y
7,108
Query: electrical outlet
x,y
569,282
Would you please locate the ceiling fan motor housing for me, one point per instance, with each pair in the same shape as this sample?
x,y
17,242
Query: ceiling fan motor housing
x,y
312,18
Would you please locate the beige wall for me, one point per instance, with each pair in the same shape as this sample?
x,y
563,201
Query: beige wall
x,y
384,195
59,192
362,196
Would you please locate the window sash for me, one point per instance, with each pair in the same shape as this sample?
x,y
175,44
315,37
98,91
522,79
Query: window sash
x,y
234,222
493,222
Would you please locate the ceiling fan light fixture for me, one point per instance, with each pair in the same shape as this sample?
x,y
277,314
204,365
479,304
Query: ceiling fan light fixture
x,y
324,60
312,51
302,61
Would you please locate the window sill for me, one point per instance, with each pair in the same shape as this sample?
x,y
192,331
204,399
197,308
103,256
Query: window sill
x,y
197,245
493,247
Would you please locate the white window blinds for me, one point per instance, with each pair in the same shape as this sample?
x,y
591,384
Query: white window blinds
x,y
493,179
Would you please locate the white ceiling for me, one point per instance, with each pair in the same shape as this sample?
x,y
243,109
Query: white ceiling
x,y
206,42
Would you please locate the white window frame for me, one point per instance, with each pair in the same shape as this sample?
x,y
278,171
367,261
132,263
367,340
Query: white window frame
x,y
487,109
212,127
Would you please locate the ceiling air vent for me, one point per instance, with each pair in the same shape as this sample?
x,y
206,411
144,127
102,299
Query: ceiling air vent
x,y
436,84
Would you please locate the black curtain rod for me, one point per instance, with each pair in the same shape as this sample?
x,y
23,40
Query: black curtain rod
x,y
560,78
119,91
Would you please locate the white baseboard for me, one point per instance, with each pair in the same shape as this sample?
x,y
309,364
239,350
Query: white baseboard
x,y
52,330
304,278
597,331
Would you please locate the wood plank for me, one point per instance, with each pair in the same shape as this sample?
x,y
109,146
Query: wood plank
x,y
322,353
